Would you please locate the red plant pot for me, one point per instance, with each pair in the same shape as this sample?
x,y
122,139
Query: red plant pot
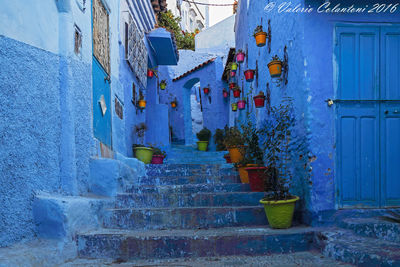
x,y
232,85
157,159
233,74
240,57
257,177
236,93
225,94
259,101
150,73
206,90
241,104
227,157
249,75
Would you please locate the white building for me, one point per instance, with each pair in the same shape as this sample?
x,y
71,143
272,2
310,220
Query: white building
x,y
193,16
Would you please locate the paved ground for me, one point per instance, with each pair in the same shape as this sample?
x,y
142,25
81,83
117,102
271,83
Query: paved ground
x,y
303,259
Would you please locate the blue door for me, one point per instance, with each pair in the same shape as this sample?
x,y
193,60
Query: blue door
x,y
100,72
368,116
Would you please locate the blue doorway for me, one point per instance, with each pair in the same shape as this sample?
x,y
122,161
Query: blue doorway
x,y
368,115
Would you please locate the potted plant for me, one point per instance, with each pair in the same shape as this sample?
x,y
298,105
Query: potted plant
x,y
163,84
260,36
234,107
233,73
232,85
234,143
158,156
241,104
141,152
276,129
141,102
150,73
225,93
259,100
249,75
236,91
233,66
204,137
206,90
275,67
240,56
174,103
219,137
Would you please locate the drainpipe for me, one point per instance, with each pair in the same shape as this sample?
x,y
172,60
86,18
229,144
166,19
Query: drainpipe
x,y
67,142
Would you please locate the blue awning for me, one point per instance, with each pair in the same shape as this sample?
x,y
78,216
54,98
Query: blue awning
x,y
164,45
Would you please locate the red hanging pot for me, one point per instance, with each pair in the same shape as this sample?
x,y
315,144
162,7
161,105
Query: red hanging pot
x,y
240,57
236,93
257,178
249,75
233,74
232,85
225,93
206,90
259,101
150,73
241,104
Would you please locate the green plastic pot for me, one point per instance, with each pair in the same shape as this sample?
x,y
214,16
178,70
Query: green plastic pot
x,y
144,154
202,145
280,213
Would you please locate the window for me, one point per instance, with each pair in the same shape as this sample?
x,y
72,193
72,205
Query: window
x,y
77,40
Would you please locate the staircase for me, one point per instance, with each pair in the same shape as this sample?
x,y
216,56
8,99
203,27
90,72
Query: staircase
x,y
194,208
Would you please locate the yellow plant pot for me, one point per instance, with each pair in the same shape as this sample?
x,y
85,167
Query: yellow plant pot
x,y
261,38
142,103
280,213
275,68
236,154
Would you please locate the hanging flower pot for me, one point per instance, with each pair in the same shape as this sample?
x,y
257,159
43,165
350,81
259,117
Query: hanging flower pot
x,y
234,107
232,85
225,93
234,66
259,100
206,90
174,104
249,75
150,73
241,104
275,67
163,85
240,57
233,73
236,93
142,104
260,36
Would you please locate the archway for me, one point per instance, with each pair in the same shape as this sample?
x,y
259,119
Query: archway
x,y
192,113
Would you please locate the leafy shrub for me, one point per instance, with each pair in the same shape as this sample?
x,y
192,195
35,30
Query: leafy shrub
x,y
233,138
204,135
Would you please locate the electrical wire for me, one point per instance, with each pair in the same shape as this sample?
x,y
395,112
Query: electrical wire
x,y
206,4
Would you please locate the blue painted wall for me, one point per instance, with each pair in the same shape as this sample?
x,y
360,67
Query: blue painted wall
x,y
309,41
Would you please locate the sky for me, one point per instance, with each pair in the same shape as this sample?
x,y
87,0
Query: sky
x,y
218,13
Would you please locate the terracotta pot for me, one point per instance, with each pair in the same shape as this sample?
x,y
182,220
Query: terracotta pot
x,y
142,103
259,101
241,104
206,90
150,73
257,178
249,75
240,57
236,153
233,74
244,176
157,159
261,38
232,85
236,93
234,107
225,94
227,157
275,68
173,104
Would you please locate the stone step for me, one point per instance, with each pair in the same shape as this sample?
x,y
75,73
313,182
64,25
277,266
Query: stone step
x,y
373,227
195,161
184,218
194,179
132,245
189,188
190,169
189,200
344,245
